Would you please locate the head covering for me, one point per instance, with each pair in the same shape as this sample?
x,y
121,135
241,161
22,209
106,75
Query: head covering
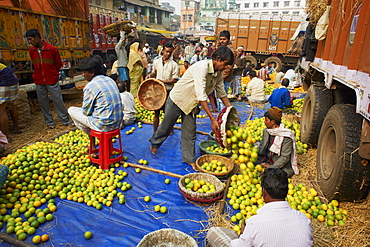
x,y
134,56
240,48
146,44
276,113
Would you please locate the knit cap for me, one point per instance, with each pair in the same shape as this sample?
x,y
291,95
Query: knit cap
x,y
276,113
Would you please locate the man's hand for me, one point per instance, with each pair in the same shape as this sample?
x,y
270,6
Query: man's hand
x,y
265,165
215,126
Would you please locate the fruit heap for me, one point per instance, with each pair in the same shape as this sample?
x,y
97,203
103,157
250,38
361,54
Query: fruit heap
x,y
268,89
298,89
216,148
246,80
297,105
245,194
75,138
42,171
242,141
307,202
148,116
214,166
200,186
272,76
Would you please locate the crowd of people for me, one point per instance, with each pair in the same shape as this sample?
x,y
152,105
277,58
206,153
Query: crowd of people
x,y
208,72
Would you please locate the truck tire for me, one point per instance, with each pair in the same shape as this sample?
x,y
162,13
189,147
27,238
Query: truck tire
x,y
112,58
340,173
317,103
276,61
250,59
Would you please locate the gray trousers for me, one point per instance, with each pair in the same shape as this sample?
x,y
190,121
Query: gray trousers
x,y
56,96
188,130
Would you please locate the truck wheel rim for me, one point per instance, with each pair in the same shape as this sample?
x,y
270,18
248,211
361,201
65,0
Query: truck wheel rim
x,y
307,114
329,153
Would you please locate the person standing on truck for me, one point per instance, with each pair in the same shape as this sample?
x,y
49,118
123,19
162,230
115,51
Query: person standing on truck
x,y
228,72
167,71
277,149
280,97
46,63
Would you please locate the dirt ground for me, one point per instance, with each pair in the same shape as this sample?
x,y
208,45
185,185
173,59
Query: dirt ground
x,y
355,233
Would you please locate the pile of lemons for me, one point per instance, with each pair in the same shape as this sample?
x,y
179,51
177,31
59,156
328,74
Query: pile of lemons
x,y
42,171
200,186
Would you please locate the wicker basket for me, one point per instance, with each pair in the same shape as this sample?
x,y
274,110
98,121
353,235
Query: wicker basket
x,y
152,94
113,30
228,116
208,158
205,144
167,237
202,197
69,94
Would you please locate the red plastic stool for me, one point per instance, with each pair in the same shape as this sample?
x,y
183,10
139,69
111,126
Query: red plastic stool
x,y
105,149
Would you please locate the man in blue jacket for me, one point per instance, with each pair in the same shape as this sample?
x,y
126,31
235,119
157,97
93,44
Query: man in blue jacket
x,y
280,97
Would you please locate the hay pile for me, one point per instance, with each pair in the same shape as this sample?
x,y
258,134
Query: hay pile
x,y
315,8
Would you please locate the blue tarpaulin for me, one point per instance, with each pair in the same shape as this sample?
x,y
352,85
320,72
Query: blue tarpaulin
x,y
125,224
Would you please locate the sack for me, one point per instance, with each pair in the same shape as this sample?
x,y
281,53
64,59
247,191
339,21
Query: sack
x,y
24,110
322,25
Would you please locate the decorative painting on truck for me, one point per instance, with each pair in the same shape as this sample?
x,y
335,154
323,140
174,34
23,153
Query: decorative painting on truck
x,y
354,23
273,42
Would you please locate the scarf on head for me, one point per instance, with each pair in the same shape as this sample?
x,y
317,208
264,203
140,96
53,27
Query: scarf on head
x,y
279,134
7,76
134,56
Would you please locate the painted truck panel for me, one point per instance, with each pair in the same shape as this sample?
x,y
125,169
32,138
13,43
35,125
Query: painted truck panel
x,y
69,35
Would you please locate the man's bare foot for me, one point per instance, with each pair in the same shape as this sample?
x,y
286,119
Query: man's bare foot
x,y
153,150
193,166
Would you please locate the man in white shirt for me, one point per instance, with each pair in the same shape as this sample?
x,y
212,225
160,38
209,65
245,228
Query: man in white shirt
x,y
276,223
255,89
167,71
189,51
292,76
196,57
199,81
279,76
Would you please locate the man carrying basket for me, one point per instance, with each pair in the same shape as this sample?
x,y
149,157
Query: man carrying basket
x,y
166,70
193,88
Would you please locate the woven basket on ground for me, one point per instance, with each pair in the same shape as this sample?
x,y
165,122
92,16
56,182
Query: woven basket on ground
x,y
202,197
205,144
167,237
208,158
113,29
73,93
152,94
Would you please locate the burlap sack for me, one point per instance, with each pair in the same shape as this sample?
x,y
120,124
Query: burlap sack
x,y
23,108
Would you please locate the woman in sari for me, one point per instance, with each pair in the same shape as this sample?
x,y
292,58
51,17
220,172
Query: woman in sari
x,y
135,67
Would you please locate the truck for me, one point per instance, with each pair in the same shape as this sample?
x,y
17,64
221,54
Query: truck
x,y
64,26
101,43
265,38
336,113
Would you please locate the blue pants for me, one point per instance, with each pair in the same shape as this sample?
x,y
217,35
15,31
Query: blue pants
x,y
123,73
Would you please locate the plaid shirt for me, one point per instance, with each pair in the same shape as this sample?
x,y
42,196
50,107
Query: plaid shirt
x,y
102,103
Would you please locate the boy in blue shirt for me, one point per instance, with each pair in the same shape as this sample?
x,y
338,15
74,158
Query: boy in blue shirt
x,y
280,97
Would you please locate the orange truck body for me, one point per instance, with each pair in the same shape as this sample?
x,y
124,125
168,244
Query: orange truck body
x,y
64,26
343,57
261,36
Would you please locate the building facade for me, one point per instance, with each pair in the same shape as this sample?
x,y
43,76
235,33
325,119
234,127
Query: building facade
x,y
188,15
273,7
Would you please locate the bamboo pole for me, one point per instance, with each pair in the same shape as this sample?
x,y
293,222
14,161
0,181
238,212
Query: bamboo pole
x,y
148,168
